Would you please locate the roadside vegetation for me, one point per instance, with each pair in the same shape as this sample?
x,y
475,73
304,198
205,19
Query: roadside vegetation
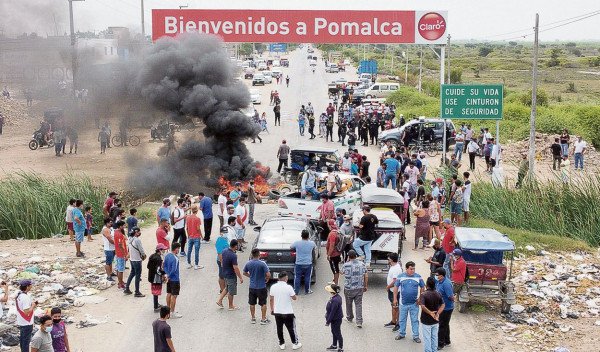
x,y
33,207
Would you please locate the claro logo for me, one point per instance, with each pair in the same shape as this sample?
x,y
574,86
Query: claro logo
x,y
432,26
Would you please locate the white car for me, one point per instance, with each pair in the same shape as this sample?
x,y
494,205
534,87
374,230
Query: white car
x,y
277,72
262,66
276,63
255,96
313,62
268,76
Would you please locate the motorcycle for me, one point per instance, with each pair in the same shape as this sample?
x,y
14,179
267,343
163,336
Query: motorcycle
x,y
38,141
160,132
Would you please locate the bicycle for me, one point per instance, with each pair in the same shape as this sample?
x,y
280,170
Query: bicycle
x,y
431,149
133,141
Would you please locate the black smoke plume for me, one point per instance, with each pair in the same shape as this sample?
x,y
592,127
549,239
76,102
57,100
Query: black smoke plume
x,y
186,77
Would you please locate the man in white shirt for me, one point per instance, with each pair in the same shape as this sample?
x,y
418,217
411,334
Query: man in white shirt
x,y
25,308
495,155
580,146
241,220
282,295
466,195
179,226
394,271
69,219
222,207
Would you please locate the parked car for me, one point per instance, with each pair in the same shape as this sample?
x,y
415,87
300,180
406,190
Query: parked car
x,y
255,96
379,90
285,63
313,62
274,240
258,79
276,63
424,129
248,73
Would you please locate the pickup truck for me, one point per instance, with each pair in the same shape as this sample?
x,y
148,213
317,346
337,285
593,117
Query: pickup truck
x,y
292,204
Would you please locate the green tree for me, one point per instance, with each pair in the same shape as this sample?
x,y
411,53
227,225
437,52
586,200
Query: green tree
x,y
456,75
485,51
554,57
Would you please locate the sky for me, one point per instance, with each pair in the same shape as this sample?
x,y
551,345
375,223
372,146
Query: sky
x,y
468,19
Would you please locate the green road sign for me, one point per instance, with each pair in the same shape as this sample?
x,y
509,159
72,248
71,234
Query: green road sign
x,y
472,101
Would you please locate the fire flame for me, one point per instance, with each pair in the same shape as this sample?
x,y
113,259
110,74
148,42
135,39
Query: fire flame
x,y
261,186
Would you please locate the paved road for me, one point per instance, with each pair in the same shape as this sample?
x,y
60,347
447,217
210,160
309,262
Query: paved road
x,y
205,327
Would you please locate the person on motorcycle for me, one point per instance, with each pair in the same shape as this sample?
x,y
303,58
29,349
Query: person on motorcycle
x,y
44,131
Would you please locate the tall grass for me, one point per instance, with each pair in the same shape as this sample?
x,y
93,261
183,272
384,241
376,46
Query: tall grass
x,y
570,210
34,207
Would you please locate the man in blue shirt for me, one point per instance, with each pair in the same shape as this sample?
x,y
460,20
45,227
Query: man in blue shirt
x,y
164,212
235,195
259,274
304,258
222,244
79,226
206,207
171,268
411,284
230,269
444,287
391,171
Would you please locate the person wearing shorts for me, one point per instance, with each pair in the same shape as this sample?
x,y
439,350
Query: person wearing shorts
x,y
171,269
69,218
120,251
258,272
230,272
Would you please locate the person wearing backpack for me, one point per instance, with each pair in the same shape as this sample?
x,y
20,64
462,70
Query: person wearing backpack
x,y
335,247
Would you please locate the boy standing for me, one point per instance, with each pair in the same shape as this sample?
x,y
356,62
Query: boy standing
x,y
120,252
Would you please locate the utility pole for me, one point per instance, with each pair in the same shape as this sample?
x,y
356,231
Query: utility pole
x,y
143,27
533,100
448,53
420,67
406,68
73,46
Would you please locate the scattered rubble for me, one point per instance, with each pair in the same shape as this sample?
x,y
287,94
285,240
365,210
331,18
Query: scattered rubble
x,y
14,112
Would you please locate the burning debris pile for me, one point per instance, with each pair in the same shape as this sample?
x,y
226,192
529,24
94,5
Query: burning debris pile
x,y
559,300
192,76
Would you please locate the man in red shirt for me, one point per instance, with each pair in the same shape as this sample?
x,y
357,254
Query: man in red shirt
x,y
192,225
108,203
459,270
162,232
120,251
448,243
327,211
334,256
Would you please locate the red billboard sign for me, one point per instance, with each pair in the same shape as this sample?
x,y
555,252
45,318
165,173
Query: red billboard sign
x,y
305,26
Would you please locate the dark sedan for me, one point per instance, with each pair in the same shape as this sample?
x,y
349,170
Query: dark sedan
x,y
274,239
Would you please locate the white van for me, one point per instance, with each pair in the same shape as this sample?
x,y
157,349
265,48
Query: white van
x,y
381,90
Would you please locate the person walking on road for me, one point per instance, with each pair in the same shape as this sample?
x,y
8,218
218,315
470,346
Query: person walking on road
x,y
259,274
163,341
171,268
355,285
444,287
304,259
136,256
432,306
283,154
335,246
472,149
277,111
408,286
333,318
282,295
287,81
231,272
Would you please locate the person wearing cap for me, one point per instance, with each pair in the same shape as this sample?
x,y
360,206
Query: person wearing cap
x,y
448,242
136,256
356,282
334,316
362,244
282,154
281,296
164,212
25,308
458,267
347,230
444,287
407,288
156,274
437,259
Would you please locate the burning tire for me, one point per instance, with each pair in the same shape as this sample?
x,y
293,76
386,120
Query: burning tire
x,y
274,194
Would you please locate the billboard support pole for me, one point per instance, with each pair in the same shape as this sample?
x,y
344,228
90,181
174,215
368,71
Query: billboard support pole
x,y
533,101
442,76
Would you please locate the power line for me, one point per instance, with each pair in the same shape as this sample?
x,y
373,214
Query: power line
x,y
529,31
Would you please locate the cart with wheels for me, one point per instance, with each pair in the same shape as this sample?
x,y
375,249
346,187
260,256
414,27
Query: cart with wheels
x,y
489,256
